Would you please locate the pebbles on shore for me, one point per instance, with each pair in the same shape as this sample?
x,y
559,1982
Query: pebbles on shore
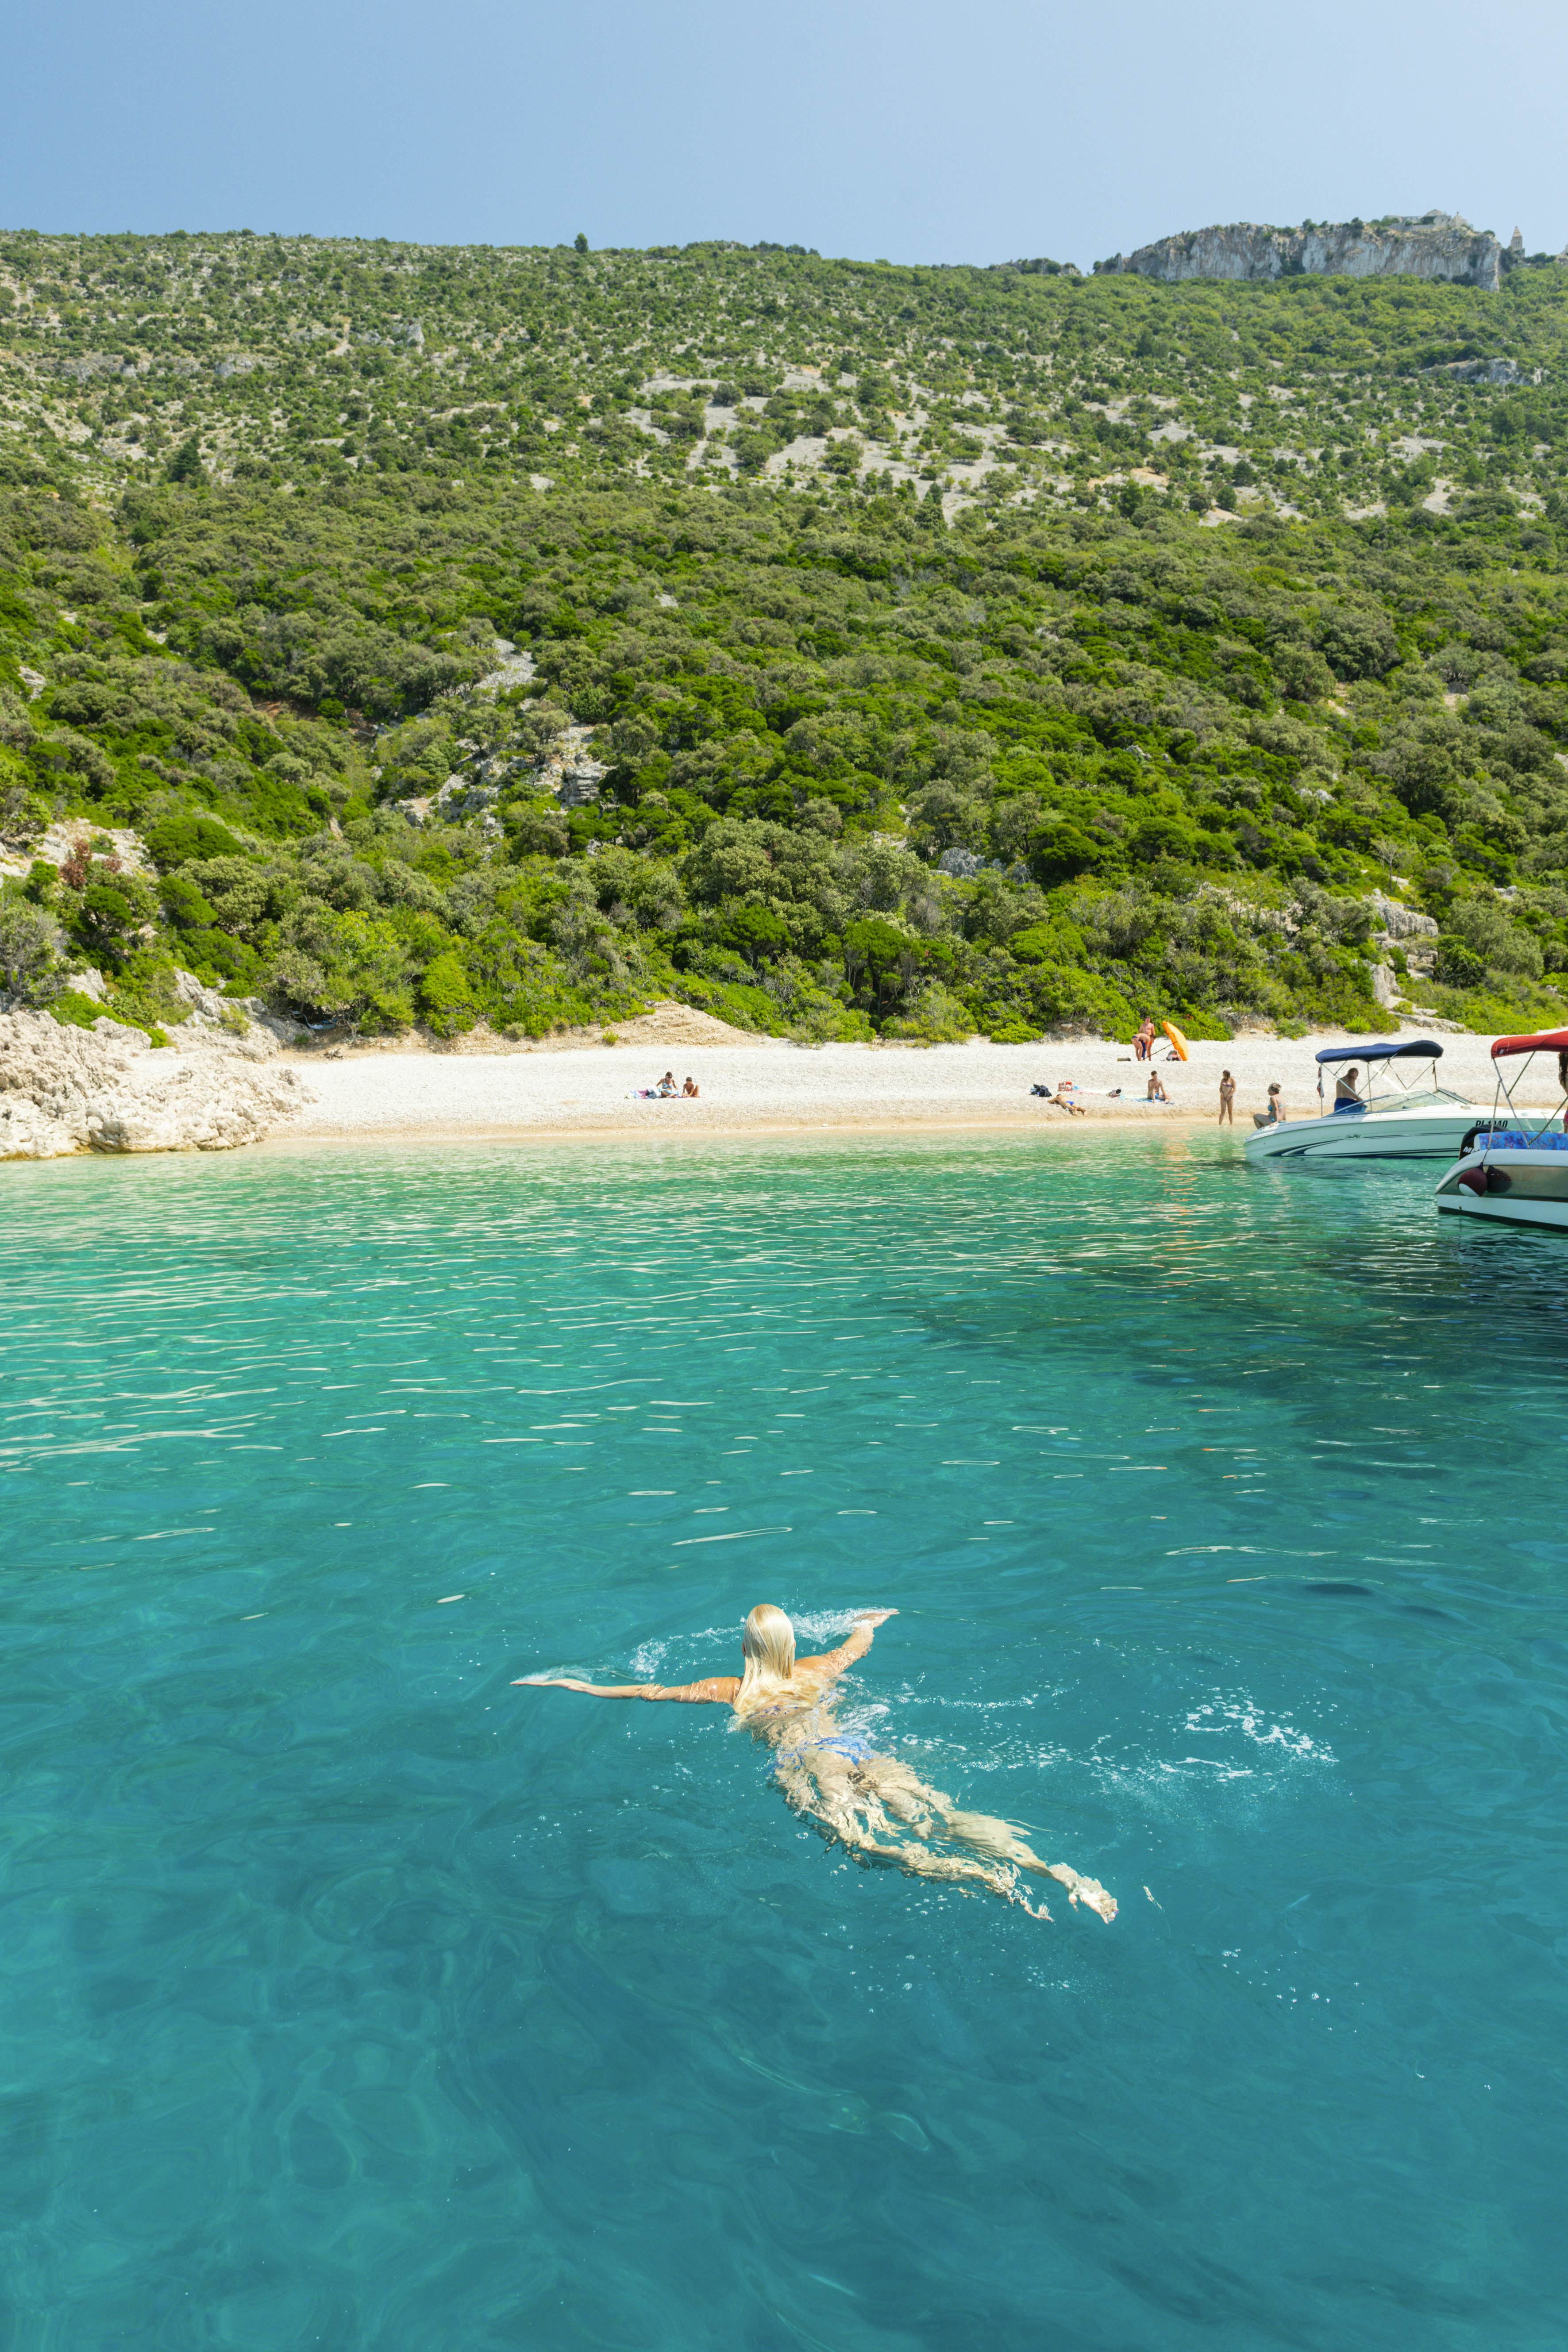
x,y
592,1089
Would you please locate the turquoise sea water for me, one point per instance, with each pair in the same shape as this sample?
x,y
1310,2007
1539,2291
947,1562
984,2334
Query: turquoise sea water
x,y
355,1998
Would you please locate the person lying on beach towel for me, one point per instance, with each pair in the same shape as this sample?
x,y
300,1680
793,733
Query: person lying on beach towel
x,y
875,1806
1064,1097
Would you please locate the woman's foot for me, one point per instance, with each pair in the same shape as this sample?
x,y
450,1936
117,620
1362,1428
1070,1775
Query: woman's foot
x,y
1084,1890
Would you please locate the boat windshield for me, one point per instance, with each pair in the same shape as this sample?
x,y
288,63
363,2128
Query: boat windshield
x,y
1419,1098
1387,1086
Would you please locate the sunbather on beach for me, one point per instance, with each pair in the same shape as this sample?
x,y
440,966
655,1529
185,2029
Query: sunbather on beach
x,y
1064,1097
691,1089
667,1086
1156,1088
875,1806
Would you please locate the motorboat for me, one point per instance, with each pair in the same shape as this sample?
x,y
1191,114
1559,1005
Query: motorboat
x,y
1406,1120
1514,1166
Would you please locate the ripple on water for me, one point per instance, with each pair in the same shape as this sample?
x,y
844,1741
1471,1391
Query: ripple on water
x,y
358,1997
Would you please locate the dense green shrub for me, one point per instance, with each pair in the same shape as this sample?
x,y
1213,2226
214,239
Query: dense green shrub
x,y
445,996
31,942
1167,763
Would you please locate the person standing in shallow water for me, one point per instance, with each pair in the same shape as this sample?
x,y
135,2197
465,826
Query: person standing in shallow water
x,y
1227,1099
875,1806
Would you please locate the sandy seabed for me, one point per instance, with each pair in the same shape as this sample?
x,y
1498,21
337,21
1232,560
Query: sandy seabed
x,y
765,1085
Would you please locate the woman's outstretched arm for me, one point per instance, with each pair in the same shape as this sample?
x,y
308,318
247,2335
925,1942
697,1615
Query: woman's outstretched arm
x,y
854,1645
720,1689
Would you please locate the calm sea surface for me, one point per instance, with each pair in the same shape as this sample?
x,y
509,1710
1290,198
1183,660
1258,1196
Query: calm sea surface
x,y
355,1998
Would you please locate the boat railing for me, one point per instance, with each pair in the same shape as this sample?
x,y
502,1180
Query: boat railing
x,y
1512,1132
1381,1058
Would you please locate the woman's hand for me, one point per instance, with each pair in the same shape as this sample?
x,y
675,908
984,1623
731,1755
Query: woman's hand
x,y
555,1682
874,1616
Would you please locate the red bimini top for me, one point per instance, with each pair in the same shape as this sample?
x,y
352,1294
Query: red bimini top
x,y
1550,1041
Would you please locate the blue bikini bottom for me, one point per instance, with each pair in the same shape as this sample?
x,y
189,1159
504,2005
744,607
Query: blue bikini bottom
x,y
854,1746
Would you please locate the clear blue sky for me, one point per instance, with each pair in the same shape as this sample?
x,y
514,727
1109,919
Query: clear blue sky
x,y
913,131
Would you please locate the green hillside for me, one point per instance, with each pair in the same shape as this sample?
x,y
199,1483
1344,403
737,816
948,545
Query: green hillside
x,y
914,651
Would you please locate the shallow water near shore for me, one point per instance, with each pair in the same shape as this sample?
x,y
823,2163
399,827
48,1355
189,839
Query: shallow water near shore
x,y
356,1999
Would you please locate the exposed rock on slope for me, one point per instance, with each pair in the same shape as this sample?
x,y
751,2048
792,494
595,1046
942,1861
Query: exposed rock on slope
x,y
67,1090
1429,245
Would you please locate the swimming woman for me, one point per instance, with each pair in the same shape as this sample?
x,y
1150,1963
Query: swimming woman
x,y
874,1805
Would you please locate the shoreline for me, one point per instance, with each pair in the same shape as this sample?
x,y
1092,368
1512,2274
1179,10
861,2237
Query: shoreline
x,y
750,1088
734,1129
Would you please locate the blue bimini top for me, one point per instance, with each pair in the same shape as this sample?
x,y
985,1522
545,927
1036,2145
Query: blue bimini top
x,y
1414,1049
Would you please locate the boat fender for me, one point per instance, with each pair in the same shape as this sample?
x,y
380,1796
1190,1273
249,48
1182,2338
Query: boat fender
x,y
1474,1180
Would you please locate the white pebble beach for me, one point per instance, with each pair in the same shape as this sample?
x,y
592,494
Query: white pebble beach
x,y
762,1083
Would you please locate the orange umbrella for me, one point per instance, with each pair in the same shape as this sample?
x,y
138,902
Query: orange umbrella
x,y
1176,1038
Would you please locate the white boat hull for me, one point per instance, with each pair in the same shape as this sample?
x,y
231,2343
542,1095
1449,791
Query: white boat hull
x,y
1429,1133
1503,1211
1520,1187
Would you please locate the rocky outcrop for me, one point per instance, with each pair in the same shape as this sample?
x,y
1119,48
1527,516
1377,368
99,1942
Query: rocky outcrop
x,y
1498,371
65,1090
60,841
1428,244
228,1024
1397,921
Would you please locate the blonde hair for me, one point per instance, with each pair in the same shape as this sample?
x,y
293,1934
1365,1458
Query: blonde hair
x,y
767,1643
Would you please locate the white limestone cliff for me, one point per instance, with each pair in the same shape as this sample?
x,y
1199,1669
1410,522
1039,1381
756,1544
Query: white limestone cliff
x,y
65,1090
1441,246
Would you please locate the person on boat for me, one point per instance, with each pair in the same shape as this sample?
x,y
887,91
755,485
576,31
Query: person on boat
x,y
691,1089
1156,1088
1227,1099
1275,1114
1144,1044
875,1806
1345,1094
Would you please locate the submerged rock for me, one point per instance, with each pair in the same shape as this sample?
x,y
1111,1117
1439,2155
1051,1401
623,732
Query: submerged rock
x,y
66,1090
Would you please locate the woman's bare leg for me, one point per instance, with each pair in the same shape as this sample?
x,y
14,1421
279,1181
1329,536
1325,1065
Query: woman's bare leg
x,y
853,1802
915,1801
842,1803
988,1835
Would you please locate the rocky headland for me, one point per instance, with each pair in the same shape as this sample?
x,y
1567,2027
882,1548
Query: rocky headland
x,y
65,1090
1440,246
